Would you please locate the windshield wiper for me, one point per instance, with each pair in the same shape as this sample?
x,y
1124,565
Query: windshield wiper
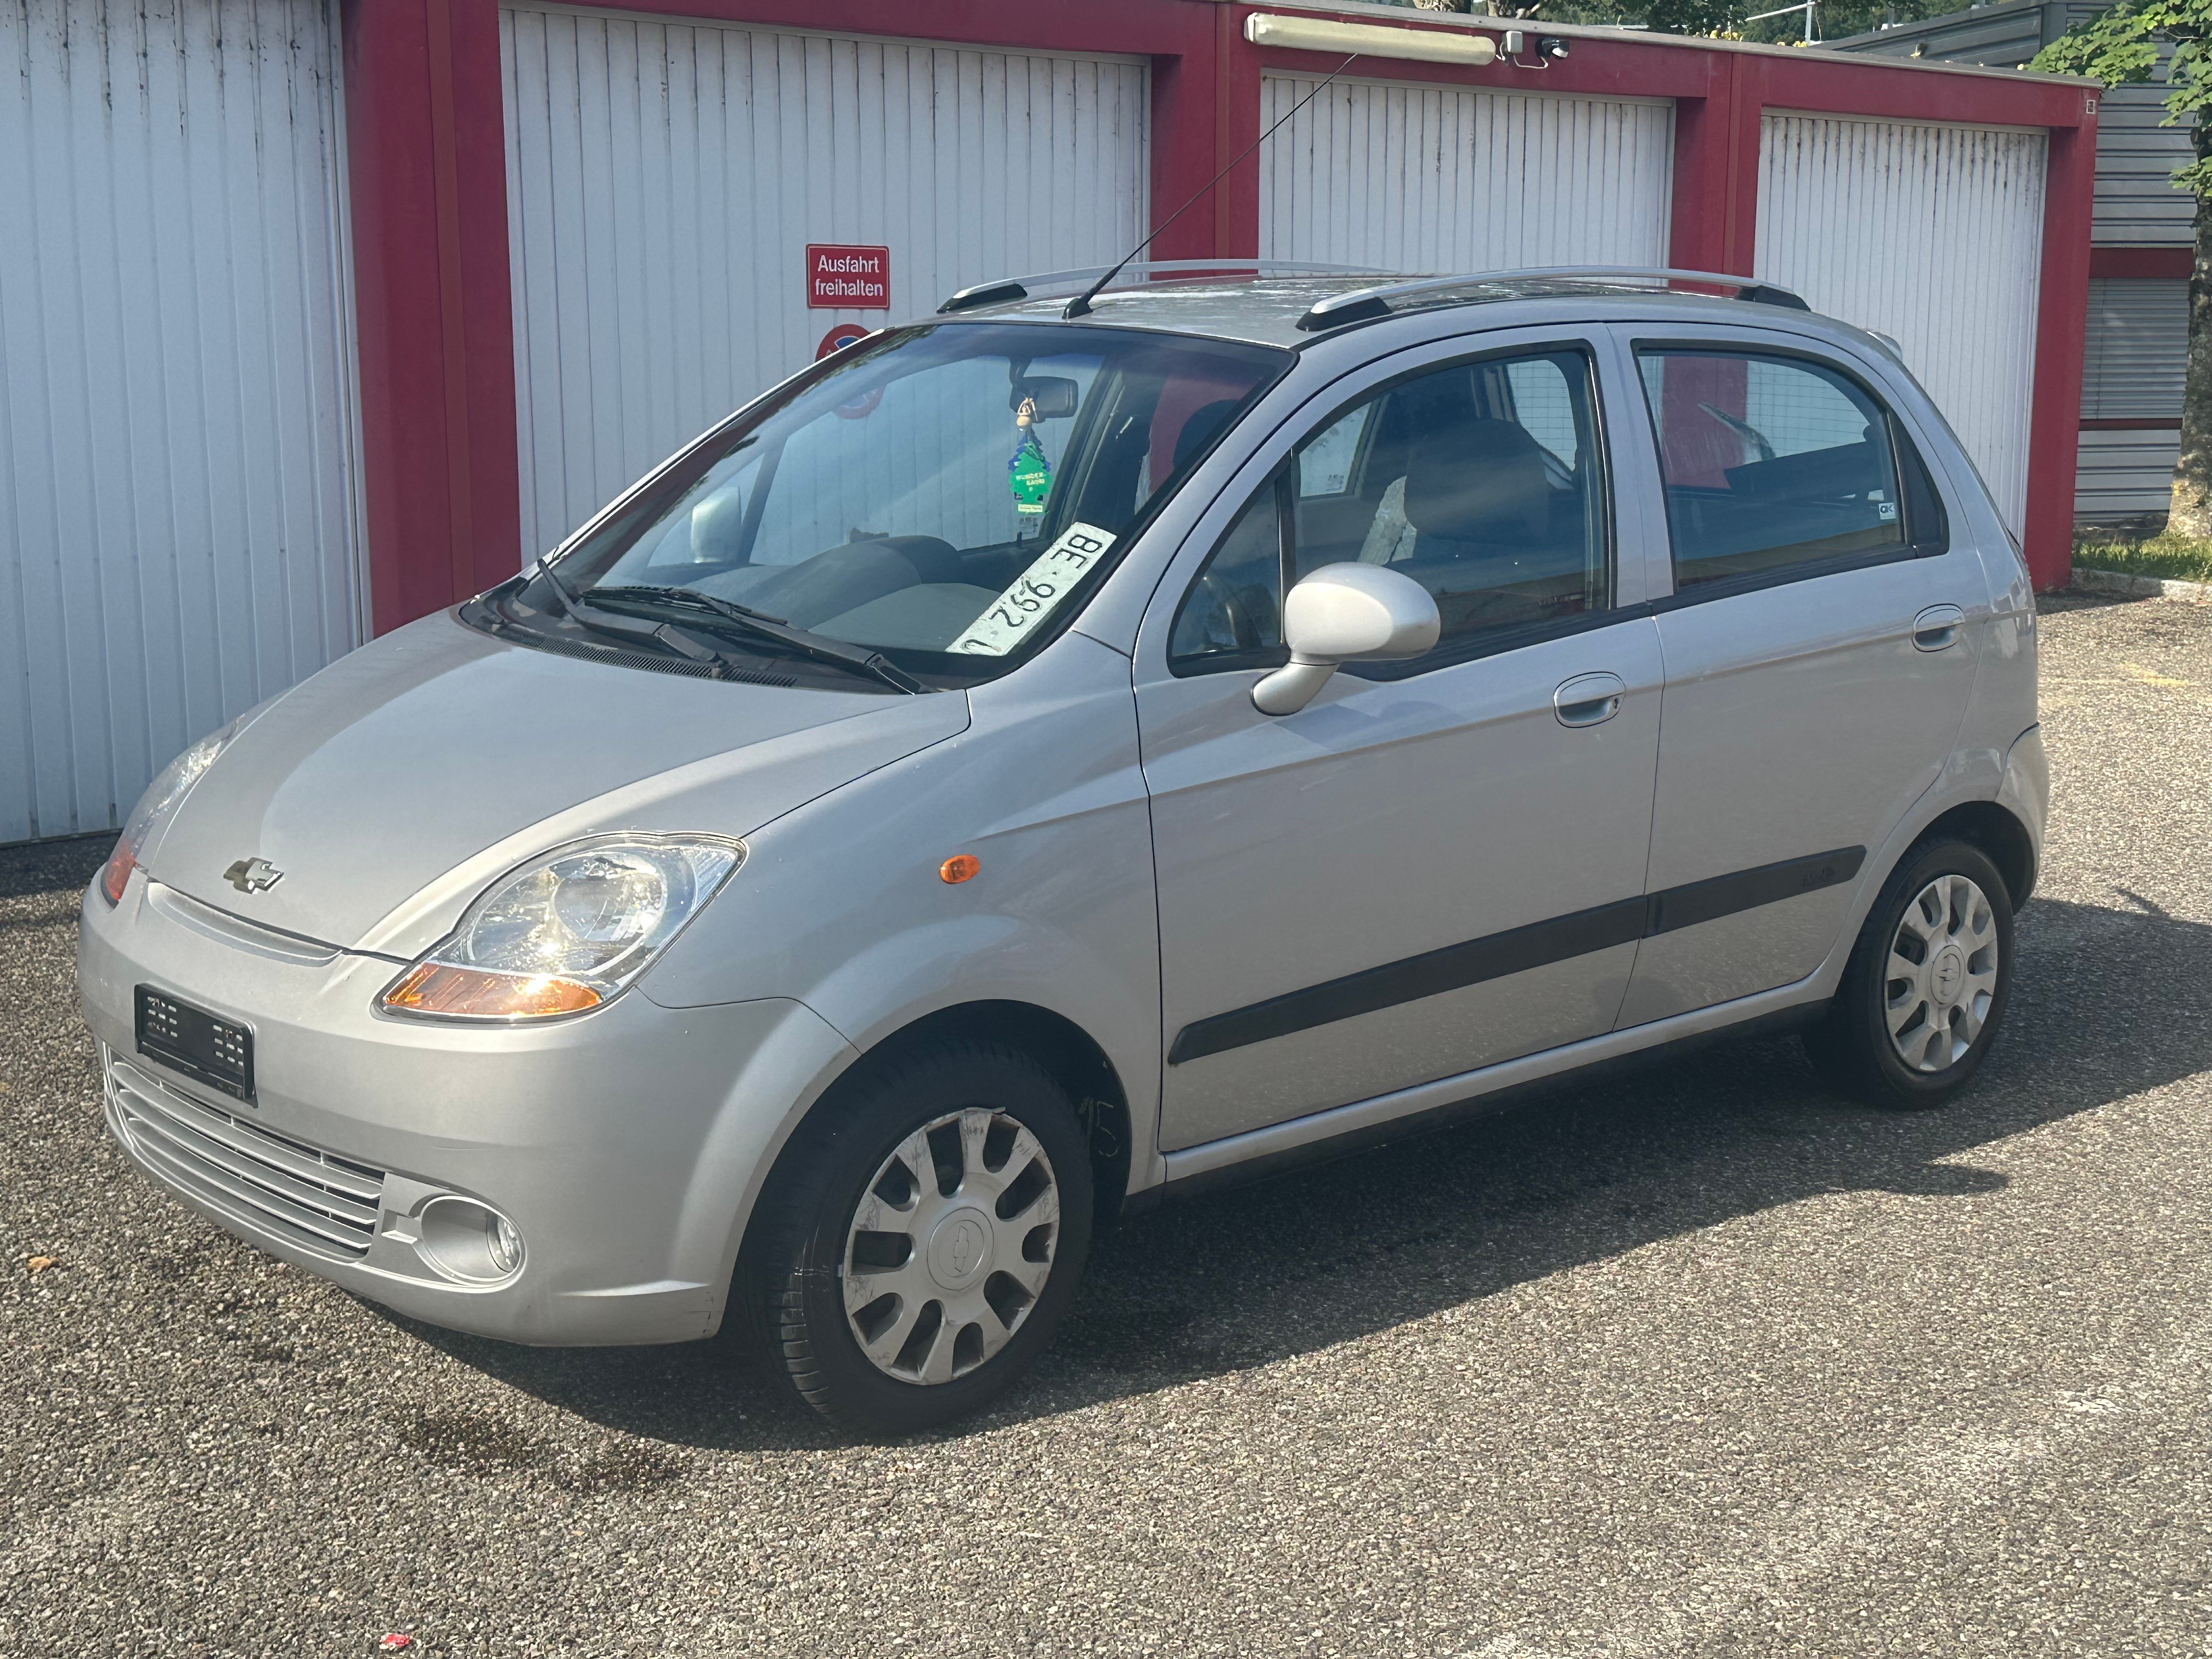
x,y
682,642
759,624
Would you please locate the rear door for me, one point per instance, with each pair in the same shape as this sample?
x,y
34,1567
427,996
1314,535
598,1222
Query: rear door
x,y
1436,864
1818,653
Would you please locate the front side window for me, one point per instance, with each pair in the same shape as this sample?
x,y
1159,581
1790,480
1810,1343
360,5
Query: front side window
x,y
1772,462
942,496
1482,481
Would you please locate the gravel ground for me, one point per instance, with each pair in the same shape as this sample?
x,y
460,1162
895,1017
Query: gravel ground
x,y
1707,1363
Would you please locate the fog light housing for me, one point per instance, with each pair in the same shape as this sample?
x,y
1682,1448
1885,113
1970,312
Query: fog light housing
x,y
469,1240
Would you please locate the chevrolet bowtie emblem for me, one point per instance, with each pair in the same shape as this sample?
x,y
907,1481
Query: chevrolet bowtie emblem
x,y
254,875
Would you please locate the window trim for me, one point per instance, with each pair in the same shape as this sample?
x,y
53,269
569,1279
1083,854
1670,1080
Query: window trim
x,y
1447,653
1911,547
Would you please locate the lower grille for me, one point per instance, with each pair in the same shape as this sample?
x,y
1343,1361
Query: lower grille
x,y
310,1197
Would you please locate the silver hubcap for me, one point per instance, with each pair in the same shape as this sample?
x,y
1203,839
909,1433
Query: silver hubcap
x,y
1942,973
951,1246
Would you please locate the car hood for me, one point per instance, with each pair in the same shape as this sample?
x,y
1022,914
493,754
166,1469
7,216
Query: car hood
x,y
392,785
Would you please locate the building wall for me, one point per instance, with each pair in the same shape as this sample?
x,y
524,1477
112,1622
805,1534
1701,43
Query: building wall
x,y
666,177
182,459
177,515
1420,177
1926,231
2137,342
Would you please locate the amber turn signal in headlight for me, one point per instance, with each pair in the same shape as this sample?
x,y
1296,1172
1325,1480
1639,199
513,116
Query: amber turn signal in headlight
x,y
116,875
567,930
432,987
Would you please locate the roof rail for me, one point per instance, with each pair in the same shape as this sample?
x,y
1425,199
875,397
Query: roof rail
x,y
1367,303
1004,289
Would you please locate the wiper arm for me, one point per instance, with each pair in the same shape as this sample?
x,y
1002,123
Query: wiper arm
x,y
625,628
760,625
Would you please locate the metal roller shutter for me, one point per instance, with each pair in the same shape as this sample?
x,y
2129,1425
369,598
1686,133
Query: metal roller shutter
x,y
2137,349
1932,233
1430,178
666,177
178,519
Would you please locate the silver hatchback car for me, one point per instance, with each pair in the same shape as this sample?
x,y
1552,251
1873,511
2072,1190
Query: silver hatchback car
x,y
1026,764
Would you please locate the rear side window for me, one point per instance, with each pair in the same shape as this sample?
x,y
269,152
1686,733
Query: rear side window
x,y
1482,480
1773,463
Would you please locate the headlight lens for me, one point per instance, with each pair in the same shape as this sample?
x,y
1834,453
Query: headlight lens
x,y
567,930
154,806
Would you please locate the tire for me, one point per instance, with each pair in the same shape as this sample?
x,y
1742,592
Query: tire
x,y
929,1146
1909,1035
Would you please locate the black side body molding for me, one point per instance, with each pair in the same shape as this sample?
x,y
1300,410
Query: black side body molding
x,y
1515,951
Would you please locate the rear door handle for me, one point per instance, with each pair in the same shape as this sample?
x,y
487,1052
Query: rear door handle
x,y
1936,629
1589,699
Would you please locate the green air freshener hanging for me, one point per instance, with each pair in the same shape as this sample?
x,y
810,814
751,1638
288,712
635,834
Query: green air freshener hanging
x,y
1029,474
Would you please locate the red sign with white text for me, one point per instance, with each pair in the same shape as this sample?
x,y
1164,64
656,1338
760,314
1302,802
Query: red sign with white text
x,y
841,278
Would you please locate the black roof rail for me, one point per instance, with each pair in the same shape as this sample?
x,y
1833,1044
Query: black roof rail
x,y
1366,304
1004,289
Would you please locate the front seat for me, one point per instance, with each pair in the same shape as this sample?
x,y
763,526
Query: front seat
x,y
1480,500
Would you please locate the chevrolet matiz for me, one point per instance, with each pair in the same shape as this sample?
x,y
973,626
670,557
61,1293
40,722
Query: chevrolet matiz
x,y
1051,756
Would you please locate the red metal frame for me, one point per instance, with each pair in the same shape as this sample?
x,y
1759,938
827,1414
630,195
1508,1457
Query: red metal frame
x,y
2166,264
428,190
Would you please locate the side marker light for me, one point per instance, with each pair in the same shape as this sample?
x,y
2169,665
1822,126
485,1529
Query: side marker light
x,y
961,867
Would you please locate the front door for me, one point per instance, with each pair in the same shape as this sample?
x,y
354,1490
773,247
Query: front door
x,y
1434,866
1820,649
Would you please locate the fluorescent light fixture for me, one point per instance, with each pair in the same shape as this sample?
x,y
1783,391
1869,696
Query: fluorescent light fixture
x,y
1370,39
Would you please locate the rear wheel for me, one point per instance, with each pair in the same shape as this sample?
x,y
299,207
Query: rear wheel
x,y
928,1231
1925,992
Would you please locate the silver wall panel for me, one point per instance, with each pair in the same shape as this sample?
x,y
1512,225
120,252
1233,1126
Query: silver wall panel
x,y
2124,474
1425,178
1931,234
2136,203
2136,350
178,513
663,180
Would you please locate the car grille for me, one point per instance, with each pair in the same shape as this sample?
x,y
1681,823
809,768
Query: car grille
x,y
304,1195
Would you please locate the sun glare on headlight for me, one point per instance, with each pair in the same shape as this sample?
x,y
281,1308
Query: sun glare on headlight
x,y
567,930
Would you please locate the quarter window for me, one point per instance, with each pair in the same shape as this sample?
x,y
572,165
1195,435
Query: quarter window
x,y
1772,462
1481,481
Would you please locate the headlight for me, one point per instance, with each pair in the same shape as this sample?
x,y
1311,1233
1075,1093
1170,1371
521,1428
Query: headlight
x,y
154,806
567,930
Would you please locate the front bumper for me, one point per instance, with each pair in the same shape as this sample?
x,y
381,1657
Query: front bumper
x,y
624,1145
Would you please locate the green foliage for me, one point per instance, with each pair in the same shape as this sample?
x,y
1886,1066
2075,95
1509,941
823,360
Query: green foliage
x,y
2125,44
2164,554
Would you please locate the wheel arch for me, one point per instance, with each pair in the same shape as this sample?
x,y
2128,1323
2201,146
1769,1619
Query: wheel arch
x,y
1990,826
1075,1059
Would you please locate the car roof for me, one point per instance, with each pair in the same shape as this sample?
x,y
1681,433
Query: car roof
x,y
1267,309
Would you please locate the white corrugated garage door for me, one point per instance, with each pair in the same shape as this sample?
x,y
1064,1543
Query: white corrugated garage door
x,y
664,180
1429,177
178,523
1930,233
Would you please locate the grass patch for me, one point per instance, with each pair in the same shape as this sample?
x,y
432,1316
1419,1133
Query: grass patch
x,y
2158,554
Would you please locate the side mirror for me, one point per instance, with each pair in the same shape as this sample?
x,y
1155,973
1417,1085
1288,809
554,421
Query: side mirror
x,y
1346,613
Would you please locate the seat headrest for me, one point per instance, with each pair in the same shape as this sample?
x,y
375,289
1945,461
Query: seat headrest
x,y
1198,428
1475,480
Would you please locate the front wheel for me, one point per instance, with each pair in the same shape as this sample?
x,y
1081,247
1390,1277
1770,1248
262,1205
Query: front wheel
x,y
1924,991
927,1230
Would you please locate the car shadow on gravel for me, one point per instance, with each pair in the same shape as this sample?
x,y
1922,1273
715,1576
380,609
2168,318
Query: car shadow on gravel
x,y
2108,1003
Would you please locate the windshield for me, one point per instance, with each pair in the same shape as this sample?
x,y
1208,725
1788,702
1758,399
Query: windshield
x,y
941,496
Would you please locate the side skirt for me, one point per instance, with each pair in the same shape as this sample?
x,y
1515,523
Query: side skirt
x,y
1321,1137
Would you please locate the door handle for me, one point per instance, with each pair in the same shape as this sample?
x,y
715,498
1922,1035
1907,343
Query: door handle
x,y
1936,629
1589,699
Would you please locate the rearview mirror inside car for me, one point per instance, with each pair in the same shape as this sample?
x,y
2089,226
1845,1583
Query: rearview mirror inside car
x,y
1346,613
1052,394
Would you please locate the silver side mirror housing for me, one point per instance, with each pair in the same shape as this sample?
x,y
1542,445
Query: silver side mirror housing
x,y
1346,613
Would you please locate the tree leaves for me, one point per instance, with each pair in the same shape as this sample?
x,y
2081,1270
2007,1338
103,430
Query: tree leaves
x,y
2125,45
